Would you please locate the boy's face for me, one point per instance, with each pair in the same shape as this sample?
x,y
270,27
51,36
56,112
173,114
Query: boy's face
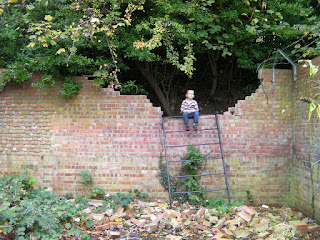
x,y
190,94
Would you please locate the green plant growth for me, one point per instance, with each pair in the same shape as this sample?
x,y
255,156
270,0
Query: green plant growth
x,y
70,88
103,75
175,184
26,211
192,164
249,196
313,105
17,73
86,177
97,193
222,206
138,195
131,88
45,81
119,199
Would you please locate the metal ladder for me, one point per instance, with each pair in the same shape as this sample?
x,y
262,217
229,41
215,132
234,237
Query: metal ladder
x,y
218,141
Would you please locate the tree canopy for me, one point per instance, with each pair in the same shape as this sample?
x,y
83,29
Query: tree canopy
x,y
163,40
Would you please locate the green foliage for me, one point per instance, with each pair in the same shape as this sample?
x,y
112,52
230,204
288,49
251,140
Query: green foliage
x,y
103,75
175,183
131,88
313,105
86,177
222,206
192,164
249,196
138,195
120,199
70,88
45,81
68,196
76,37
17,74
25,210
97,193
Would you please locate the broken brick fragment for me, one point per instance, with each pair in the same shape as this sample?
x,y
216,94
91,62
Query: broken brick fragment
x,y
201,227
120,210
136,222
114,234
314,228
248,210
103,227
299,227
245,216
227,233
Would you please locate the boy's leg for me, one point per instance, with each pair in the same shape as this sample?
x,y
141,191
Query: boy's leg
x,y
196,117
196,120
185,117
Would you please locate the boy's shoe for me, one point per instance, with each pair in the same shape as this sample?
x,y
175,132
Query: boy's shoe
x,y
187,127
195,128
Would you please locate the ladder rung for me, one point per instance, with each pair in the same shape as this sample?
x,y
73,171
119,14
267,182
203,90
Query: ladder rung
x,y
198,175
192,144
202,129
219,142
215,190
200,159
180,116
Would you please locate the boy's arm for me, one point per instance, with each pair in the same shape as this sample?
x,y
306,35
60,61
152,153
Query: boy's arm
x,y
183,106
196,107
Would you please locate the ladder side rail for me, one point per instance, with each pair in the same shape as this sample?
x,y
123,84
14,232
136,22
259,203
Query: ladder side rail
x,y
167,164
222,156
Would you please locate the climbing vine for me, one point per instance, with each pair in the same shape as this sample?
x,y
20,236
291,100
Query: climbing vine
x,y
313,105
192,165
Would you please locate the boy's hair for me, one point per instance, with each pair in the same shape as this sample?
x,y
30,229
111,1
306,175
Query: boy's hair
x,y
189,90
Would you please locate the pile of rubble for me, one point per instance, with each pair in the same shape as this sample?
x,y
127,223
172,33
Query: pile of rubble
x,y
155,220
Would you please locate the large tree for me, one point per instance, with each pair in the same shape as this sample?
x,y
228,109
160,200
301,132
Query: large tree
x,y
161,38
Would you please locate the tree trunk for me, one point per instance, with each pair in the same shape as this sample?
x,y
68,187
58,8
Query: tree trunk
x,y
144,68
213,59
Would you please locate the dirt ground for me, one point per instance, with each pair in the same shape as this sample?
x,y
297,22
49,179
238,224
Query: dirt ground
x,y
155,220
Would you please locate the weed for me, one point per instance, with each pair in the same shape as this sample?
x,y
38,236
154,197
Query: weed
x,y
97,193
249,196
138,195
192,164
131,88
27,211
86,177
120,199
70,88
222,206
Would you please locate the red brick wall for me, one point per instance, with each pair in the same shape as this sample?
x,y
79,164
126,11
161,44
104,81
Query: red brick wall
x,y
116,137
257,141
306,146
119,139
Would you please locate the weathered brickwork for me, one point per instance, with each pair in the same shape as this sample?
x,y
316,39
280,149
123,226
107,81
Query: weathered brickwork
x,y
115,137
257,140
305,194
266,140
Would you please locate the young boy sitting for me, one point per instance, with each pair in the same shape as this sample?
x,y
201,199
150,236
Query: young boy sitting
x,y
189,107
